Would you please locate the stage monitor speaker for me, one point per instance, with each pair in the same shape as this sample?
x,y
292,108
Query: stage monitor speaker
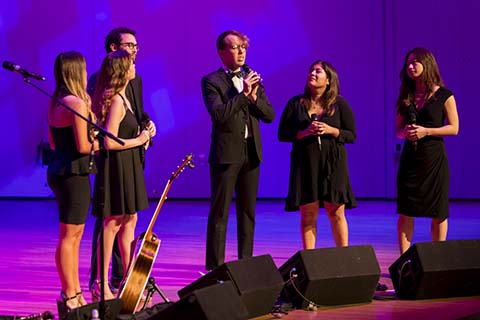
x,y
429,270
256,279
112,310
216,302
146,313
47,315
331,276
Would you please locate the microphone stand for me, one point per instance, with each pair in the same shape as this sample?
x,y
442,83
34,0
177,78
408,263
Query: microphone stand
x,y
102,133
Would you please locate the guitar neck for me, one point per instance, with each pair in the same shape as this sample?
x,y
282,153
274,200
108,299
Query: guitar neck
x,y
186,161
149,232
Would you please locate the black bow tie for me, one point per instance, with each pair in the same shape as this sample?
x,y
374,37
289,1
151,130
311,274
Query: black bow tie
x,y
239,74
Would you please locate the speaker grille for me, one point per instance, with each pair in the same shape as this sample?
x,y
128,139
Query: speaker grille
x,y
429,270
331,276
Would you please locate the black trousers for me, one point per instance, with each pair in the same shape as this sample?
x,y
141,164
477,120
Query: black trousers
x,y
242,178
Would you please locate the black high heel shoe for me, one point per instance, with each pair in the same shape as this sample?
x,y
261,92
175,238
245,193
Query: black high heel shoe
x,y
66,304
381,287
95,291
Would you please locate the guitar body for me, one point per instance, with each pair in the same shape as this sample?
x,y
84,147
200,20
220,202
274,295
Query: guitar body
x,y
142,260
138,273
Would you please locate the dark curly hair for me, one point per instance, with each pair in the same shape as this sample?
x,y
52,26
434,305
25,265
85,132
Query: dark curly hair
x,y
115,37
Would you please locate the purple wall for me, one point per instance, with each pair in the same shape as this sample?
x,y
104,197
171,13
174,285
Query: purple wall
x,y
365,41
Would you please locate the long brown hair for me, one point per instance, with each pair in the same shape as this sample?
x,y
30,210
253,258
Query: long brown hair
x,y
70,77
111,80
430,77
331,92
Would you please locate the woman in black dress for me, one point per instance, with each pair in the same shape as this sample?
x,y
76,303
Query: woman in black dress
x,y
426,112
68,173
120,182
318,123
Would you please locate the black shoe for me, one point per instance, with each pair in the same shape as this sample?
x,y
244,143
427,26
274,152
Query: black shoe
x,y
66,304
381,287
114,289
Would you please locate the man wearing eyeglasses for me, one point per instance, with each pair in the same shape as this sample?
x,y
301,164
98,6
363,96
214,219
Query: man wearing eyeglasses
x,y
120,38
236,102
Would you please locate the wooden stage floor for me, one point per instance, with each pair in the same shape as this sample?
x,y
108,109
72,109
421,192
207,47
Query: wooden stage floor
x,y
29,230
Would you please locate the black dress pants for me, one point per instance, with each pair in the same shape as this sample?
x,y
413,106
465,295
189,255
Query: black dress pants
x,y
242,178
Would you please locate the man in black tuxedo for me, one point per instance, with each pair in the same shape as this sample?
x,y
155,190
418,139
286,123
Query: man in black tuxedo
x,y
236,101
120,38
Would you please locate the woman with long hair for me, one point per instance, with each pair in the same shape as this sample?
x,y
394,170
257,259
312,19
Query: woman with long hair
x,y
68,174
318,123
119,186
425,113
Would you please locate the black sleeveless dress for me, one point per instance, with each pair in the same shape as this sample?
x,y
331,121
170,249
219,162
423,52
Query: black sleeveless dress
x,y
423,175
318,174
120,181
68,178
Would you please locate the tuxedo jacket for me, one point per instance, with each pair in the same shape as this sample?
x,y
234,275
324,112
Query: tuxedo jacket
x,y
229,110
134,92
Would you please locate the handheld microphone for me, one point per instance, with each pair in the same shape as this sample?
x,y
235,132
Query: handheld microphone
x,y
144,124
247,70
26,74
412,119
314,117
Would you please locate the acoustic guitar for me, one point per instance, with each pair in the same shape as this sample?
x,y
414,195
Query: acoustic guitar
x,y
145,254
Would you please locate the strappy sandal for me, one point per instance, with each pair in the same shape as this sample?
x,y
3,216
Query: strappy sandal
x,y
66,304
95,291
81,299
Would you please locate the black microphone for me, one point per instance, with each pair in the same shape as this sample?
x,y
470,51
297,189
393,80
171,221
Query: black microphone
x,y
247,70
47,315
144,123
412,119
26,74
314,117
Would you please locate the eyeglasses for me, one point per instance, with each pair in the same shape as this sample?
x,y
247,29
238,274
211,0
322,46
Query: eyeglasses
x,y
131,45
239,46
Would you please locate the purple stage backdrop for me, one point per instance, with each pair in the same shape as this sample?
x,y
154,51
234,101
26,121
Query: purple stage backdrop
x,y
365,40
